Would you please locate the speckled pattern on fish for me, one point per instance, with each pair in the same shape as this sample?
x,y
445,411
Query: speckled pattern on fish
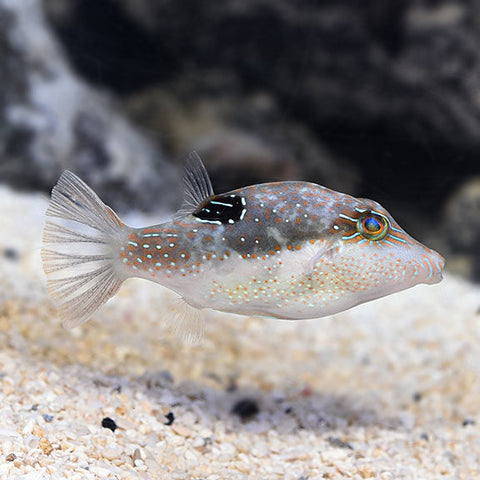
x,y
287,250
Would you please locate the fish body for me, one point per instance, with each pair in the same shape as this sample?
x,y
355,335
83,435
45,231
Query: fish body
x,y
290,250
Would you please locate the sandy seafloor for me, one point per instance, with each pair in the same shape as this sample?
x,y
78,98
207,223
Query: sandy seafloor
x,y
388,390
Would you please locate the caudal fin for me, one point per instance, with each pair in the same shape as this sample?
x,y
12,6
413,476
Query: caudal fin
x,y
80,250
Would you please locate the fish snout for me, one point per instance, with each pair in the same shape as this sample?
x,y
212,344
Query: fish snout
x,y
433,267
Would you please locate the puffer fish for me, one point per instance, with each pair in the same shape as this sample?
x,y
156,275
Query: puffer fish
x,y
290,250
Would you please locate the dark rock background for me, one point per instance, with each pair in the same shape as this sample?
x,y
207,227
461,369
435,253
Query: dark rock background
x,y
51,119
380,99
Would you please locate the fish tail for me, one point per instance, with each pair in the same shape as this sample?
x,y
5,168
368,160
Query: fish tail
x,y
80,250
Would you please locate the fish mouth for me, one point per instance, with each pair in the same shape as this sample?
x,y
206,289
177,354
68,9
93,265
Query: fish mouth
x,y
435,278
433,265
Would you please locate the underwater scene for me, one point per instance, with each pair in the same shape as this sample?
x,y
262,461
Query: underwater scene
x,y
240,239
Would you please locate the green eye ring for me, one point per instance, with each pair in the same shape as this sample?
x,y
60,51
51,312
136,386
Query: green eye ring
x,y
373,226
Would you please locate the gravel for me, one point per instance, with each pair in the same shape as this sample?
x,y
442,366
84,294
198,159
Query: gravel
x,y
388,390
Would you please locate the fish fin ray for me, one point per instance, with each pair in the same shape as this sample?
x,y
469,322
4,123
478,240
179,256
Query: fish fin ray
x,y
197,185
317,253
79,250
185,320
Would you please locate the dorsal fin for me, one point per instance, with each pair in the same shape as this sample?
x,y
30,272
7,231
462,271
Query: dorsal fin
x,y
197,185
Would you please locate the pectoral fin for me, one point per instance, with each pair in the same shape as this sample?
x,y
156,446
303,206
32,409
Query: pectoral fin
x,y
323,253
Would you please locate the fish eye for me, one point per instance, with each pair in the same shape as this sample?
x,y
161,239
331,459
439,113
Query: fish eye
x,y
372,226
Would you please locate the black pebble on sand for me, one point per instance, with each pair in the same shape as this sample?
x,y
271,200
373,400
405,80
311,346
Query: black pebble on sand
x,y
107,422
416,397
170,418
48,418
339,443
245,408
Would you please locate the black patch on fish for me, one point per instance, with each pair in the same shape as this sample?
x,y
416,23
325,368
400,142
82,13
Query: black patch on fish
x,y
223,209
